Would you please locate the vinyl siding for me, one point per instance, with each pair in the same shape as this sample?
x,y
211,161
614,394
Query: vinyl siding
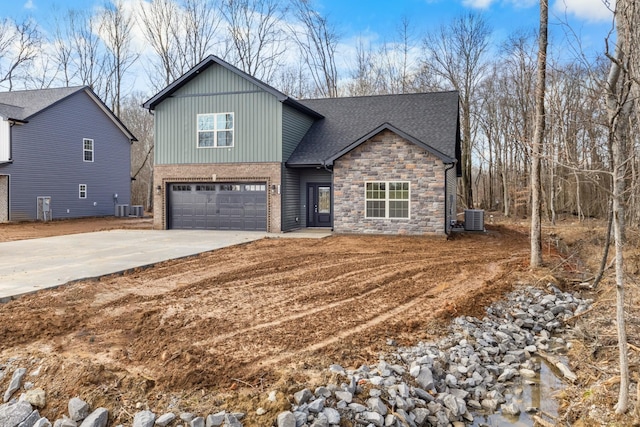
x,y
48,161
257,121
311,176
291,199
294,126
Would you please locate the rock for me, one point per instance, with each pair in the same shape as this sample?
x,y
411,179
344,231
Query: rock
x,y
144,419
261,411
165,419
333,416
197,422
65,422
425,378
97,418
36,397
376,405
215,420
12,414
337,369
527,373
15,382
316,406
420,415
344,395
78,409
230,420
374,418
286,419
510,409
273,396
187,417
42,422
303,396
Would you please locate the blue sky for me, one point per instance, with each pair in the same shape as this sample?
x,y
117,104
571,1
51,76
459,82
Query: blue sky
x,y
378,20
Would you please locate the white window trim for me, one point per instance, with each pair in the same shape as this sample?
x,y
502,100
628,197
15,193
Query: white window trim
x,y
215,130
387,200
82,188
84,150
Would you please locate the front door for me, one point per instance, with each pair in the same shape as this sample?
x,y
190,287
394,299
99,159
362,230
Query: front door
x,y
319,205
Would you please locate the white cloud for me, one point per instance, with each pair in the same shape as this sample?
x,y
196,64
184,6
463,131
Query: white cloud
x,y
588,10
477,4
29,5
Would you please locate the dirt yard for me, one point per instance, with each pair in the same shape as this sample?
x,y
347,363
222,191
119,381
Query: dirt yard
x,y
220,330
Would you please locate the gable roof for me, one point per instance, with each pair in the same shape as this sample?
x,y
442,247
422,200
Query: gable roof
x,y
429,120
21,105
211,60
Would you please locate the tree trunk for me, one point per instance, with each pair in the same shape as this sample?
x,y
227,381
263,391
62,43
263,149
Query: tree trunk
x,y
538,138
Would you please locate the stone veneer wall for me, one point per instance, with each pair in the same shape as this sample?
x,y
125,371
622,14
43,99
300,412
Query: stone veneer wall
x,y
226,172
388,157
4,198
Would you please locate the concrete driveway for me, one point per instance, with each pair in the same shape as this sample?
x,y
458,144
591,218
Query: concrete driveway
x,y
30,265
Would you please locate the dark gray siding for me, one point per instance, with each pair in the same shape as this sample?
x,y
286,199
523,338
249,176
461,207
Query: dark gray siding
x,y
309,176
294,126
48,161
290,199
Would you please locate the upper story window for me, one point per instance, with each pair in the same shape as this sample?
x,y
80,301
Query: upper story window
x,y
87,148
387,199
215,130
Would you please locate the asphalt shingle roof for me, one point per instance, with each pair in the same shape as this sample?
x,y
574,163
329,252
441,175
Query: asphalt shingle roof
x,y
22,104
429,118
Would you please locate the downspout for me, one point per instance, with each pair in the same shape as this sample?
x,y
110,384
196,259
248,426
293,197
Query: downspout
x,y
447,224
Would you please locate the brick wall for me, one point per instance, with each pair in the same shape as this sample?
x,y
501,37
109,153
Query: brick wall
x,y
226,172
388,157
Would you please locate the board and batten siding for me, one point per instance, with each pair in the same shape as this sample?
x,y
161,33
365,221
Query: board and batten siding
x,y
5,147
257,121
48,161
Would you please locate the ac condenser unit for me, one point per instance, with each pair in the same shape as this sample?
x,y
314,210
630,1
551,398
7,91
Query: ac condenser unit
x,y
474,220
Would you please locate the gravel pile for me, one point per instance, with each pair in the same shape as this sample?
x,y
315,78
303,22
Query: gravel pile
x,y
431,384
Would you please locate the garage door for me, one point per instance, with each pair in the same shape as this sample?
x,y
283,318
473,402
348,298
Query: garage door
x,y
214,206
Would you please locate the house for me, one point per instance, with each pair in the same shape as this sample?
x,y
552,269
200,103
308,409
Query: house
x,y
63,154
233,153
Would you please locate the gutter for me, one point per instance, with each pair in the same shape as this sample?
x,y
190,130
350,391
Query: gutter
x,y
446,202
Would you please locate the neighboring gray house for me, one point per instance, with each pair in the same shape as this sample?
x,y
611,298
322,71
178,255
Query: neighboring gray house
x,y
231,152
63,154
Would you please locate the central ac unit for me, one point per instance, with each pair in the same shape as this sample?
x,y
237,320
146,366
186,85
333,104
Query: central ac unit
x,y
474,220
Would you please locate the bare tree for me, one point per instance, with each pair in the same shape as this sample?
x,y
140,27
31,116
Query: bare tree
x,y
196,34
256,36
140,122
87,52
116,25
456,53
19,45
538,139
317,40
622,77
158,21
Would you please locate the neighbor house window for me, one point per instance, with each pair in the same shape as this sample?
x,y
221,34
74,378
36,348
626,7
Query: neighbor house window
x,y
82,191
87,148
387,199
215,130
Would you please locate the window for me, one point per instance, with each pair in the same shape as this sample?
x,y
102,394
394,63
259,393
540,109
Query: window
x,y
387,200
82,191
215,130
87,148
